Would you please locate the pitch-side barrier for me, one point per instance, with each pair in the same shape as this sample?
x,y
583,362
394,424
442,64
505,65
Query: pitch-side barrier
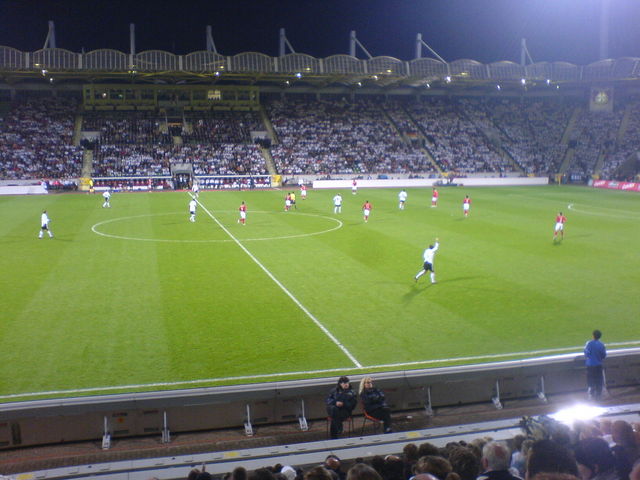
x,y
295,402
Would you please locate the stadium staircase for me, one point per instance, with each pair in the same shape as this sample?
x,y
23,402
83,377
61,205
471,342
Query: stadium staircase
x,y
87,164
268,125
566,161
77,130
566,136
268,159
423,148
624,123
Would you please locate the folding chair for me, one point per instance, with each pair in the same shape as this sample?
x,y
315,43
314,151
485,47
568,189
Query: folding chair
x,y
349,426
377,423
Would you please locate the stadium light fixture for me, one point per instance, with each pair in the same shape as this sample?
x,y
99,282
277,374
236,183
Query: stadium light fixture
x,y
523,81
447,79
548,81
577,412
298,75
217,74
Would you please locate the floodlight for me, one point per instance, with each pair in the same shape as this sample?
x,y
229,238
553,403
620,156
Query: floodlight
x,y
548,81
298,75
447,79
375,77
498,87
523,81
428,85
578,412
217,74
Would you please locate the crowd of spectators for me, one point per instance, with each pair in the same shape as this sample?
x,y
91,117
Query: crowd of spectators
x,y
593,136
332,136
591,450
339,137
36,140
454,140
143,145
529,130
626,148
221,127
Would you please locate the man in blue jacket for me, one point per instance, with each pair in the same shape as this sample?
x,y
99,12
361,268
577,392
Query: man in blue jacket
x,y
594,354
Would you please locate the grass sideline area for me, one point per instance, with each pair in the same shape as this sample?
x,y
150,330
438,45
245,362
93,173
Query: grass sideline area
x,y
137,298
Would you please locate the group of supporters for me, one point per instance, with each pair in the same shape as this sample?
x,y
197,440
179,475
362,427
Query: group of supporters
x,y
323,137
598,449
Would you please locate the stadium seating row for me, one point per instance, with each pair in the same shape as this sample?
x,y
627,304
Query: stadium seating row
x,y
434,136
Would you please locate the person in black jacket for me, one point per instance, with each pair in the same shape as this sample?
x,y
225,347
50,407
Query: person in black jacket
x,y
340,404
374,403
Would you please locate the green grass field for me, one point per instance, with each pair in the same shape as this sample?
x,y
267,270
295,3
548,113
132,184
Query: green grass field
x,y
137,298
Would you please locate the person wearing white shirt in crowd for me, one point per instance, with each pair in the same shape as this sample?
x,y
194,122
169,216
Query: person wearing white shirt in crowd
x,y
402,198
107,198
337,203
44,225
192,210
428,255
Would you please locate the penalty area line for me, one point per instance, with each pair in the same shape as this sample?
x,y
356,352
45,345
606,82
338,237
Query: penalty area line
x,y
566,351
283,288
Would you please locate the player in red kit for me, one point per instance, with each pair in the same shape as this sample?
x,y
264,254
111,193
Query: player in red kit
x,y
366,210
303,192
560,220
434,198
243,213
466,204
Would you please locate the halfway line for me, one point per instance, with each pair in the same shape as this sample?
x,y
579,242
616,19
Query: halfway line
x,y
284,289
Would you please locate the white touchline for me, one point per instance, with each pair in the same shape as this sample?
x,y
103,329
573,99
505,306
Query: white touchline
x,y
572,351
284,289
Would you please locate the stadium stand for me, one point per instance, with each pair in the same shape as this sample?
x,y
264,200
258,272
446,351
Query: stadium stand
x,y
36,140
431,137
340,137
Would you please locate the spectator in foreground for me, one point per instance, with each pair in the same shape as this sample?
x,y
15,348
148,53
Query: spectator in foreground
x,y
334,465
464,462
436,466
625,449
595,460
496,458
547,456
362,471
318,473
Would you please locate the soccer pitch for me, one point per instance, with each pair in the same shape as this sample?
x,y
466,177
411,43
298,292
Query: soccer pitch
x,y
137,298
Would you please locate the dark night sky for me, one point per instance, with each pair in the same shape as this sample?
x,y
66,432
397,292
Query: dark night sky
x,y
483,30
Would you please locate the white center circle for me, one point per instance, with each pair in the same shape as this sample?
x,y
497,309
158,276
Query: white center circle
x,y
95,229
